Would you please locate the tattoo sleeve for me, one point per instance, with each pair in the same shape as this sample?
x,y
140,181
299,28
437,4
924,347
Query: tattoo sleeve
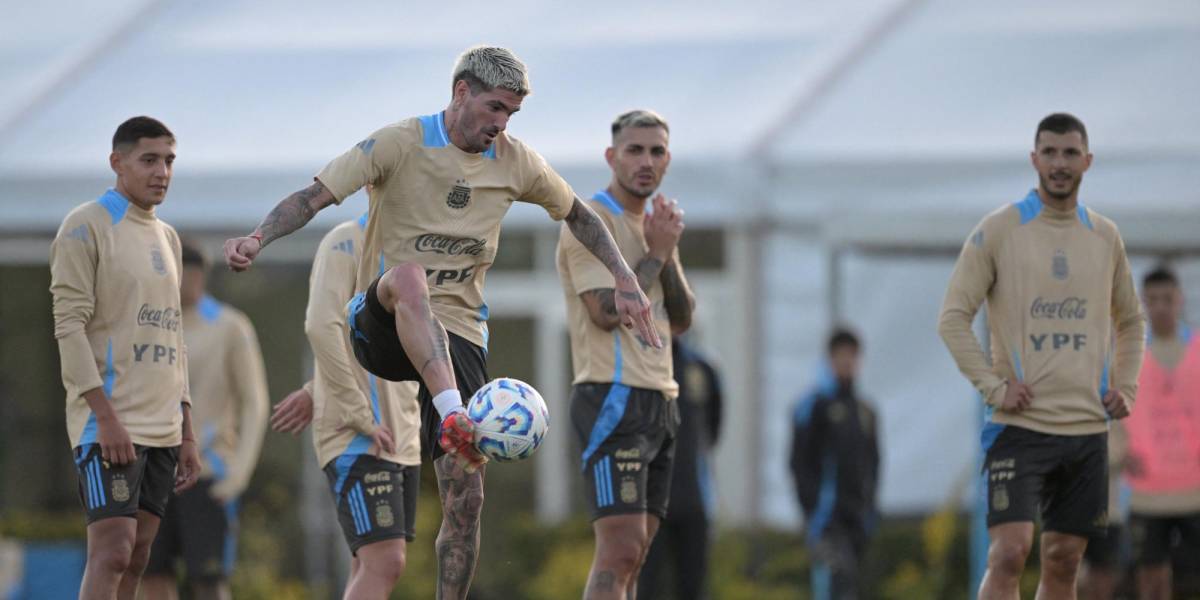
x,y
677,295
294,211
604,299
591,232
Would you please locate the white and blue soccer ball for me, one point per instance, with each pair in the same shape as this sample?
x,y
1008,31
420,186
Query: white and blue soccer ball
x,y
510,419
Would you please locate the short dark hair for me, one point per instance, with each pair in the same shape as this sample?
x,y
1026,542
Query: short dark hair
x,y
1061,123
193,254
843,337
1160,275
136,128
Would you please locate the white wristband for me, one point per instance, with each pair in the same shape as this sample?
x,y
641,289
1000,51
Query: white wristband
x,y
448,402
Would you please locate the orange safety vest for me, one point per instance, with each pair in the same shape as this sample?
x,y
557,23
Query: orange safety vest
x,y
1164,429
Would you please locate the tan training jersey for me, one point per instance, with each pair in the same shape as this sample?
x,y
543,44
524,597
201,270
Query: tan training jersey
x,y
440,207
114,277
228,385
621,355
1057,286
348,401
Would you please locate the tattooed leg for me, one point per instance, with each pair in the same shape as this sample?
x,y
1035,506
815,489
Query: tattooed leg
x,y
457,542
403,292
621,542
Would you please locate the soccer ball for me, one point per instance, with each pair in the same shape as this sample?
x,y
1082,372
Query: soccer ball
x,y
510,419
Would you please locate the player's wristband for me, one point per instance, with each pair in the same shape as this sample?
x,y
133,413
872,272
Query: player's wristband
x,y
258,236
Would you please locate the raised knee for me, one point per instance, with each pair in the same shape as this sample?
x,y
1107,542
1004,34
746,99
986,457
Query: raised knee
x,y
403,285
1008,558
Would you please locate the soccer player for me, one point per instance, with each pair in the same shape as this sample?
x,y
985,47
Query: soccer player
x,y
1066,345
1164,440
229,386
623,396
686,533
114,271
835,465
442,184
366,431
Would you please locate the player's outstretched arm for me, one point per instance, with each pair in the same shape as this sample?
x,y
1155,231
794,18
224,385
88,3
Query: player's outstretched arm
x,y
290,214
630,303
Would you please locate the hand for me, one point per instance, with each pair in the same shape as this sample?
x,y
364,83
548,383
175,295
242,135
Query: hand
x,y
115,445
240,252
663,228
382,440
293,413
187,471
1017,397
457,438
1116,404
633,308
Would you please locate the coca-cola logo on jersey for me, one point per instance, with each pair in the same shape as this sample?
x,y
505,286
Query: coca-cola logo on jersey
x,y
451,246
163,318
1072,308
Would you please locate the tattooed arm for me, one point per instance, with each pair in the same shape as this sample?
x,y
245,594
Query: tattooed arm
x,y
290,214
631,306
601,303
677,295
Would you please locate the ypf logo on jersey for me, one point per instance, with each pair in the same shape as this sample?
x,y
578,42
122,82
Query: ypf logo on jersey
x,y
459,195
1058,266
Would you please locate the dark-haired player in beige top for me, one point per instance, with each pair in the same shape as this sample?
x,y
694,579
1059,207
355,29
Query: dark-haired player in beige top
x,y
442,184
623,405
1066,346
114,271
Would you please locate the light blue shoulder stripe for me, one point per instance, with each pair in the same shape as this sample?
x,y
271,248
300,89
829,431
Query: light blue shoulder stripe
x,y
362,221
1030,207
115,204
609,202
433,131
209,308
1084,217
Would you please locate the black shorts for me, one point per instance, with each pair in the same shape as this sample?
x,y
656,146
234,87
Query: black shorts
x,y
376,499
1154,536
377,348
1062,478
628,440
200,530
109,490
1104,551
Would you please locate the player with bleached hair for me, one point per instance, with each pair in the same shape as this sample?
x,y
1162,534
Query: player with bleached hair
x,y
442,183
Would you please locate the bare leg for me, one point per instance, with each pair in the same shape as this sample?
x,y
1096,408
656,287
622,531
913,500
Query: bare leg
x,y
1007,552
147,528
159,586
1154,582
376,569
652,522
402,291
109,551
1061,555
458,539
1096,582
621,543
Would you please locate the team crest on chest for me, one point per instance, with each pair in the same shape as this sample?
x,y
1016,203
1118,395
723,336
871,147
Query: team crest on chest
x,y
1059,265
459,195
156,260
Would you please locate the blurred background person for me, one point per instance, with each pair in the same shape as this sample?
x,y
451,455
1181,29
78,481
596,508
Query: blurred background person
x,y
230,404
685,535
1103,559
835,465
1164,440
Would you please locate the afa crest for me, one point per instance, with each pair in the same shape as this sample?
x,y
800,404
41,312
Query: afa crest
x,y
120,489
383,515
1059,266
156,260
1000,498
459,195
629,491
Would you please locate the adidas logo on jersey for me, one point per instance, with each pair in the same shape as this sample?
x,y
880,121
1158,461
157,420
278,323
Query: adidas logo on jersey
x,y
79,233
346,246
